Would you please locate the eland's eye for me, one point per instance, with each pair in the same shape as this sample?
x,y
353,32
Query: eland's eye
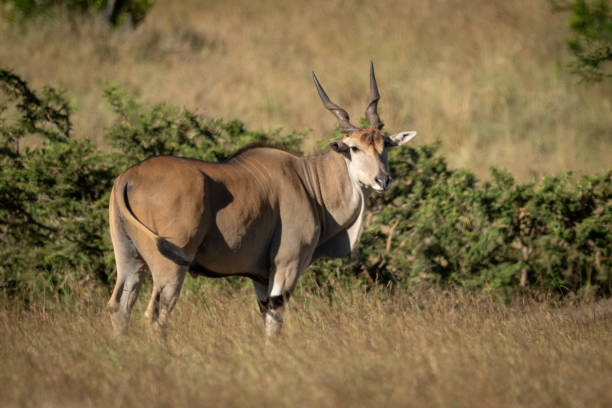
x,y
354,149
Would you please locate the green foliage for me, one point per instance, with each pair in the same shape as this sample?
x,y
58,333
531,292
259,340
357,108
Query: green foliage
x,y
140,133
435,226
21,10
54,198
438,225
591,40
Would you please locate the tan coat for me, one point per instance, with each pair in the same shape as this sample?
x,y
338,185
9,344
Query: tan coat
x,y
265,214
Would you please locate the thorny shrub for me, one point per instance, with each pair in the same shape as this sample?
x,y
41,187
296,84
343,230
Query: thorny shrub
x,y
435,226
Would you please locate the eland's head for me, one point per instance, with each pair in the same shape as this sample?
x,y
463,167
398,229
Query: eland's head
x,y
365,150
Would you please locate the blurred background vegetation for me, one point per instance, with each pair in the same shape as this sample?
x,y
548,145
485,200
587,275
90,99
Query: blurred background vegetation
x,y
499,84
591,39
488,78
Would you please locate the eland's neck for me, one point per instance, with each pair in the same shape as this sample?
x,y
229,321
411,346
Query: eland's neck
x,y
340,200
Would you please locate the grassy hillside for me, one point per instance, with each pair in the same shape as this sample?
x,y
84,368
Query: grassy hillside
x,y
487,78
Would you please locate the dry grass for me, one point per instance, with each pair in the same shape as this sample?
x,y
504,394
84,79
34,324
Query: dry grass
x,y
432,349
486,77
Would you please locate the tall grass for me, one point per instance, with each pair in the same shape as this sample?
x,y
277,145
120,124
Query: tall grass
x,y
350,349
485,77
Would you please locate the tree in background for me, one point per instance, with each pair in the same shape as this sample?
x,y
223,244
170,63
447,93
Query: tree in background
x,y
114,11
137,10
591,39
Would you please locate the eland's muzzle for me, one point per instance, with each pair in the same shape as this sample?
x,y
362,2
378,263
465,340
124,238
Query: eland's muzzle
x,y
384,182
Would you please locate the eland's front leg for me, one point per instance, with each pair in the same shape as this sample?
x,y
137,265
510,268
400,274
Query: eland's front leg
x,y
271,309
273,299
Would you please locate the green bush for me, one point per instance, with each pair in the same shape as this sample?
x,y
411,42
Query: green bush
x,y
54,198
591,42
591,38
116,11
435,226
438,225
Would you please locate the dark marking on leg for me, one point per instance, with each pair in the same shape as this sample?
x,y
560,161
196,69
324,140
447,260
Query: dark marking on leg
x,y
273,302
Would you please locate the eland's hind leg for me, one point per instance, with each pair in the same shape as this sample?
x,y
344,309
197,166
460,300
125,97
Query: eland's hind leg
x,y
168,280
129,270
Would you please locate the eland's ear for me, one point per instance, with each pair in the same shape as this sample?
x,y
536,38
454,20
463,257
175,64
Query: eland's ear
x,y
401,138
339,146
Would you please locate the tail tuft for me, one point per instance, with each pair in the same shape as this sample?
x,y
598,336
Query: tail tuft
x,y
172,252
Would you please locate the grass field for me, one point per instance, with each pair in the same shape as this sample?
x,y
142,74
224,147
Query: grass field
x,y
485,77
443,349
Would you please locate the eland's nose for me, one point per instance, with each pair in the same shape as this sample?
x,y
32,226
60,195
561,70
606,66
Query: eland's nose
x,y
384,181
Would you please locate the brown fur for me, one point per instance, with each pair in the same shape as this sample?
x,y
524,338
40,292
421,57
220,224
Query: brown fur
x,y
371,137
265,214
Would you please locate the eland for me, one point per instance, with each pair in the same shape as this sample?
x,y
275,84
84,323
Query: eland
x,y
265,214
